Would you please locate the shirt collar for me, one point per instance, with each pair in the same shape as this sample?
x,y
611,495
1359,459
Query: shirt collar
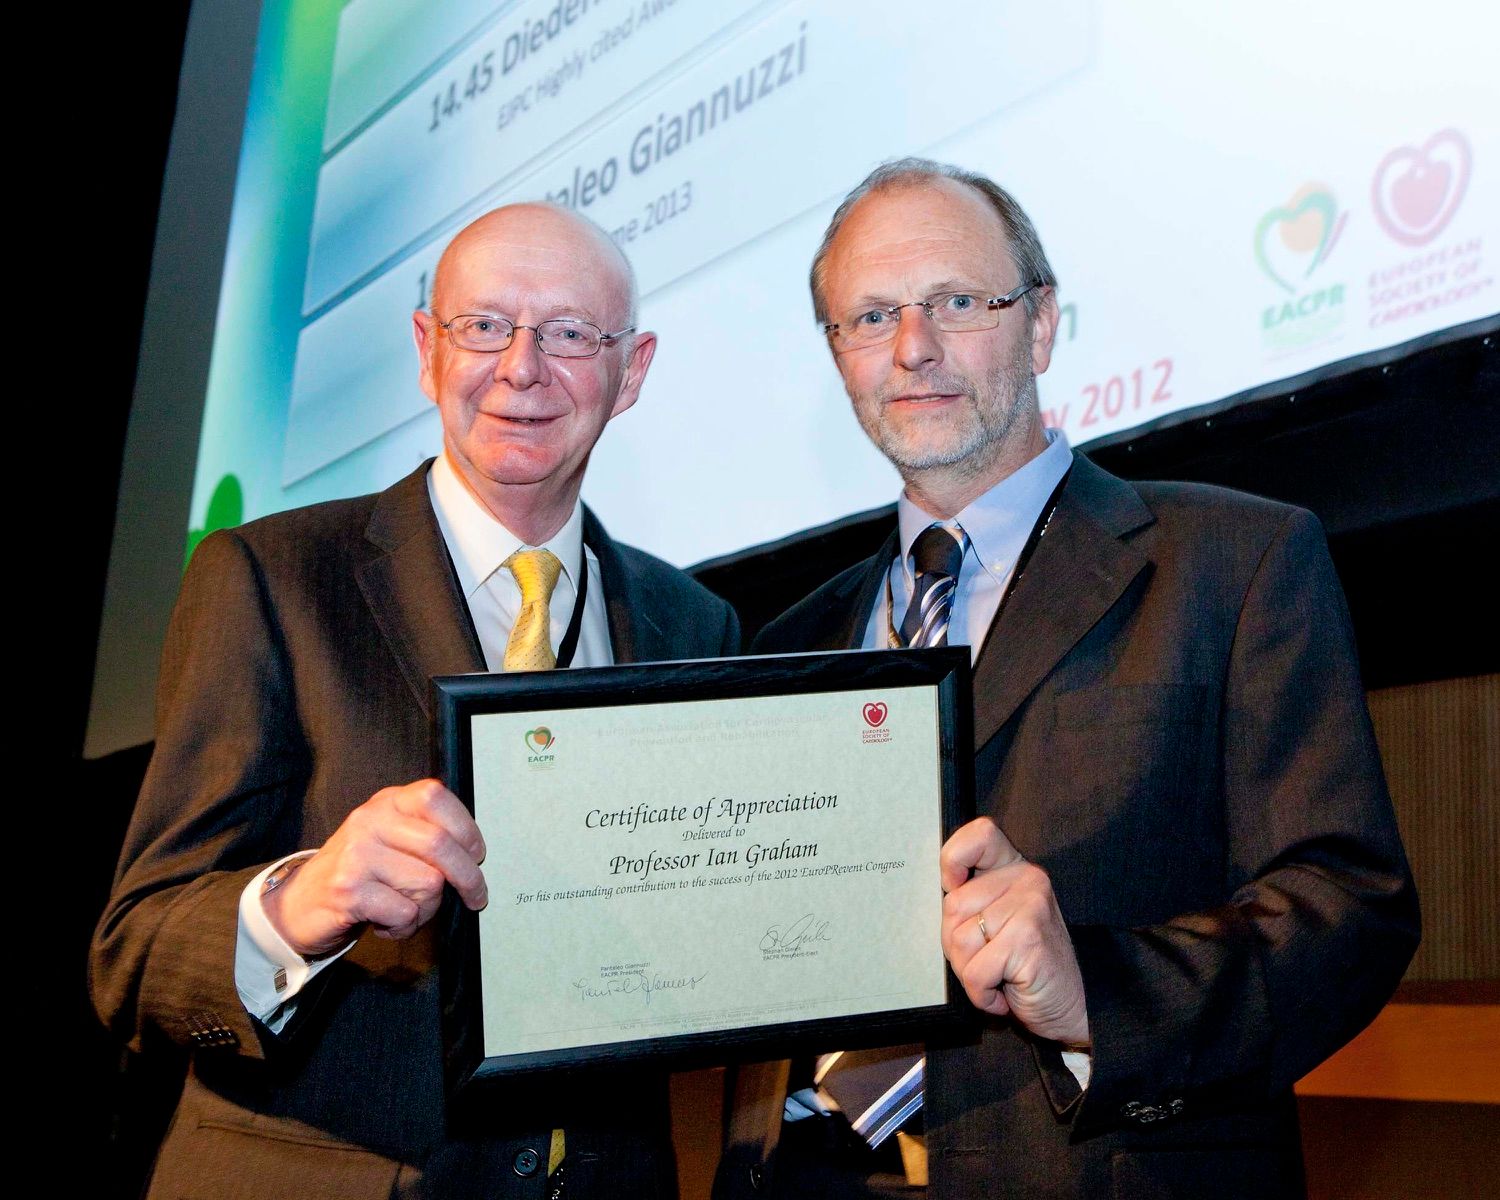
x,y
998,522
478,542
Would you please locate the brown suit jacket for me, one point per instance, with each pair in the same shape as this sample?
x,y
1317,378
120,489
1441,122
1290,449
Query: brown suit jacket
x,y
294,685
1169,720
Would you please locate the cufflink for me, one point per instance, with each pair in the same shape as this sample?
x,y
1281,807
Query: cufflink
x,y
280,875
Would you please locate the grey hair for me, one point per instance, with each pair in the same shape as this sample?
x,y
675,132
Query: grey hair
x,y
1025,246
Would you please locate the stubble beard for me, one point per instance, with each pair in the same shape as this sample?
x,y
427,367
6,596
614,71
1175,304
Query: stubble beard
x,y
970,441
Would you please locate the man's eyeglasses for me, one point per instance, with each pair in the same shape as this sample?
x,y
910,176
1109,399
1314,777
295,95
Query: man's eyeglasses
x,y
561,338
952,312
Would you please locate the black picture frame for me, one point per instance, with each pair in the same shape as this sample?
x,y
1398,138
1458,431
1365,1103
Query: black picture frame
x,y
459,698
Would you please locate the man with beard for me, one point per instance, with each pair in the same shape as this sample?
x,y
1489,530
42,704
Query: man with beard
x,y
1185,888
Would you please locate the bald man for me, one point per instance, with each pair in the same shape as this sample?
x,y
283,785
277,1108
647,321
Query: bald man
x,y
273,907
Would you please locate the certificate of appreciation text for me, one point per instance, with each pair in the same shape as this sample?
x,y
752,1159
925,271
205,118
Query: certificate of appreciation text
x,y
705,865
697,860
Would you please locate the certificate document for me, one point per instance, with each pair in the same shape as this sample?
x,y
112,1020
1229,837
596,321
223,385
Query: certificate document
x,y
709,868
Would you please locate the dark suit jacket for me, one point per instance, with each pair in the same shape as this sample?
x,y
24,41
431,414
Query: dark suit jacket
x,y
1169,720
294,685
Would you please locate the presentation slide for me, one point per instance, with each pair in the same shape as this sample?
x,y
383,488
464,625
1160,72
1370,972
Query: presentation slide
x,y
1231,196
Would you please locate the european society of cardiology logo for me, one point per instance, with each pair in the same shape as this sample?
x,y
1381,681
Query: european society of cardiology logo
x,y
1292,243
1417,189
539,743
874,714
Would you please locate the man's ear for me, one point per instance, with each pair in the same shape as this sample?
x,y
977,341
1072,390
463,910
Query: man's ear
x,y
641,355
1043,331
424,334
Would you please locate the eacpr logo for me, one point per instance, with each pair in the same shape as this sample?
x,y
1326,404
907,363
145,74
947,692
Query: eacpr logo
x,y
1292,241
539,739
539,743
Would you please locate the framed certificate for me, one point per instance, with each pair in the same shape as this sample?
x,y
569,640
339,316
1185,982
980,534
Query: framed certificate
x,y
692,862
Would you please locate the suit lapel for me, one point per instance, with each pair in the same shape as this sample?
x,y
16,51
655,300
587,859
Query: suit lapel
x,y
836,615
1079,569
854,615
412,590
634,632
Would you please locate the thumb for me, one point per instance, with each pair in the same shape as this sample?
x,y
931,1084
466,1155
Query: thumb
x,y
977,846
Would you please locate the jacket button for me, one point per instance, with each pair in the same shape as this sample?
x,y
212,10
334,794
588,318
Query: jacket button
x,y
1145,1114
527,1161
757,1176
206,1030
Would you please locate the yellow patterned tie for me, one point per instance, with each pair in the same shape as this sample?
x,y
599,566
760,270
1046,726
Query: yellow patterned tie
x,y
530,645
530,649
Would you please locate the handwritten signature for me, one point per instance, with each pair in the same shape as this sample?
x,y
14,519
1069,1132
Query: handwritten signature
x,y
636,983
801,932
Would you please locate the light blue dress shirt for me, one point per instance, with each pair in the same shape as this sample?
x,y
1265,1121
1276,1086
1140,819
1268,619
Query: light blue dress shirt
x,y
998,525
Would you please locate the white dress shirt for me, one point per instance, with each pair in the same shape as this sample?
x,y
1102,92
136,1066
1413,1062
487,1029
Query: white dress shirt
x,y
479,544
268,973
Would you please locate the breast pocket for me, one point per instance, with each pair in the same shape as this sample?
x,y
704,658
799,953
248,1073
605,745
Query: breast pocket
x,y
1133,820
1132,705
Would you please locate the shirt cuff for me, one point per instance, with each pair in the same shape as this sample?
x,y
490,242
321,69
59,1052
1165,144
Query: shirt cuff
x,y
1081,1064
268,973
808,1102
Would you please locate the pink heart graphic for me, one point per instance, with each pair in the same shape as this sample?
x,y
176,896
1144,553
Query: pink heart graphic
x,y
875,715
1416,191
1418,195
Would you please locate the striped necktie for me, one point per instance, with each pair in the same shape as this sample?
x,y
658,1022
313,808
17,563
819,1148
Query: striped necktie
x,y
937,554
879,1090
530,645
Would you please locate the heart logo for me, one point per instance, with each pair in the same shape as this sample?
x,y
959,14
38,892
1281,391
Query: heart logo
x,y
1306,228
539,739
874,715
1416,190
